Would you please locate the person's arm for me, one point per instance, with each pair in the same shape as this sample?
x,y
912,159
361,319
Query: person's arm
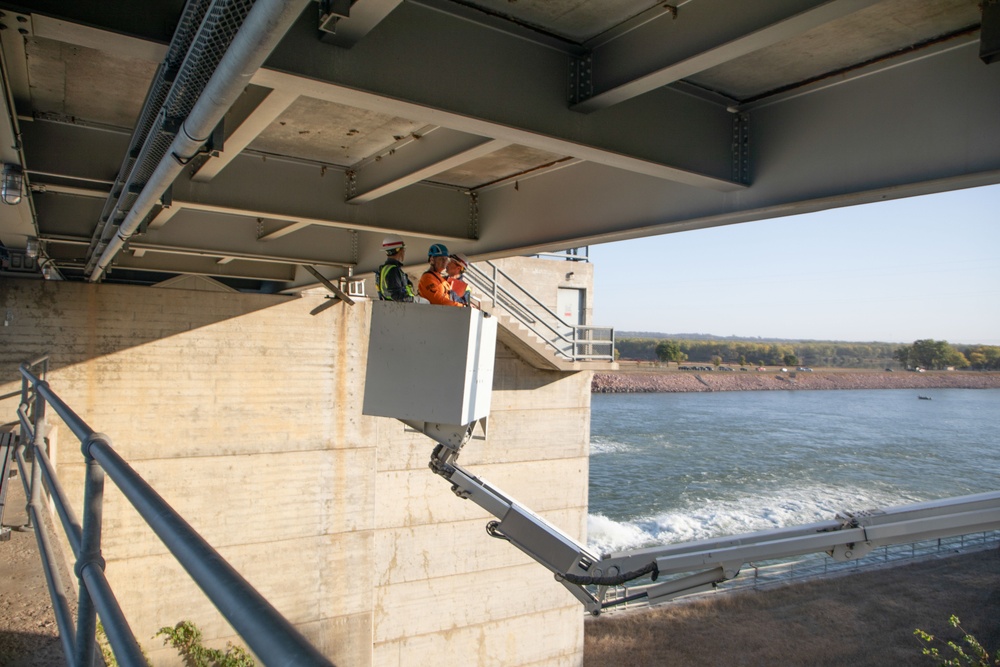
x,y
435,289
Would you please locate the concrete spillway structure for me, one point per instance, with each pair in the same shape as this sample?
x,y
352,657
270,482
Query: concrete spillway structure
x,y
245,413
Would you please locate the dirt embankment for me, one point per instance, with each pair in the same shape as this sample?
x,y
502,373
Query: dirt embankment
x,y
861,619
681,381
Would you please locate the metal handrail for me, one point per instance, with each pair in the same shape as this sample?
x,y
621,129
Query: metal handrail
x,y
758,576
521,312
581,254
266,632
526,314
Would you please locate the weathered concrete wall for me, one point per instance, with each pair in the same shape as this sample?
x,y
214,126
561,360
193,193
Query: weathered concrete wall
x,y
544,277
244,412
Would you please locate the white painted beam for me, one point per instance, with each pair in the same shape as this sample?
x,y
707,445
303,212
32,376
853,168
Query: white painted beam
x,y
301,222
16,62
283,231
266,113
431,154
205,266
77,34
228,255
163,216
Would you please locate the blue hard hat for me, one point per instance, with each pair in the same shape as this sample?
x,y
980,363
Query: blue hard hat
x,y
437,250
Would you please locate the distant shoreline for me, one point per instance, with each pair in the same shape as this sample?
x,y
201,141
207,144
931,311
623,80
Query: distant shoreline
x,y
633,380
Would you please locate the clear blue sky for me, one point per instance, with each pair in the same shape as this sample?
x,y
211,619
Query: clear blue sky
x,y
897,271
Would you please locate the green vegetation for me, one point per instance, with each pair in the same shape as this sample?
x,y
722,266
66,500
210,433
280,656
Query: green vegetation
x,y
761,353
669,350
186,638
928,353
931,353
977,656
983,357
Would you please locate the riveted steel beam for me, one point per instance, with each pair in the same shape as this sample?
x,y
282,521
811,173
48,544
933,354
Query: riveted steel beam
x,y
254,186
698,36
252,113
508,89
273,189
208,265
346,31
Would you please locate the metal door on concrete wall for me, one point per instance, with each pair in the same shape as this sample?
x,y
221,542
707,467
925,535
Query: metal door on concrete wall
x,y
570,308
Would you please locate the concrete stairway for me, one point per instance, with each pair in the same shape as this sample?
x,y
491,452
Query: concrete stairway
x,y
533,349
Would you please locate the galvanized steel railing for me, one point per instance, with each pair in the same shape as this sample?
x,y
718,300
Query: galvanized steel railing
x,y
266,632
573,342
761,576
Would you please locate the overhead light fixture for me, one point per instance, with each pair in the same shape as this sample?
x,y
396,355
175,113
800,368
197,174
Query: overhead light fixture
x,y
31,247
49,270
12,186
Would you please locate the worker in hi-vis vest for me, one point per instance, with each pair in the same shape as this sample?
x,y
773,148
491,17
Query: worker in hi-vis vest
x,y
391,281
433,286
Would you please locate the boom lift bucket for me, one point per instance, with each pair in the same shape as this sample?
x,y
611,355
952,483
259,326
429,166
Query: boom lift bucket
x,y
430,367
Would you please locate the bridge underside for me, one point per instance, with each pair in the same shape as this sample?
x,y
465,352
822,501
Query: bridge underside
x,y
498,128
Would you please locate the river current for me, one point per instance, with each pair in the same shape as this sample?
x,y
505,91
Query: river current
x,y
673,467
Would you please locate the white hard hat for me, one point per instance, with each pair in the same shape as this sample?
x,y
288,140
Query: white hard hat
x,y
392,244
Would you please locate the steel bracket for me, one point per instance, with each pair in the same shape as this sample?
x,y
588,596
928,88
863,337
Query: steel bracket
x,y
741,148
474,215
581,79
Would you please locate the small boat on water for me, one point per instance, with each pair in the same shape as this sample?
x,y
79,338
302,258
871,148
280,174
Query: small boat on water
x,y
924,398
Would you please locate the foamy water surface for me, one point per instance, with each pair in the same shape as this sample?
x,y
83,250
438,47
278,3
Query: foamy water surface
x,y
669,468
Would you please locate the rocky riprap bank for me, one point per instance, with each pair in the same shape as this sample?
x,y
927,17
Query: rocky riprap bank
x,y
678,381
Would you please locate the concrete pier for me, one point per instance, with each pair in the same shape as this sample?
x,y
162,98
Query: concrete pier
x,y
244,412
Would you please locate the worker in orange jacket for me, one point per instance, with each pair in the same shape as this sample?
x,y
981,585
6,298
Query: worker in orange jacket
x,y
433,285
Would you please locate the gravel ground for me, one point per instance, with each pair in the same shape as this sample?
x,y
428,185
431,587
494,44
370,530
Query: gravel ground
x,y
29,636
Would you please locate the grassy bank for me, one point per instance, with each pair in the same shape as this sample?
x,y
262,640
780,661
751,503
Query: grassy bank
x,y
862,619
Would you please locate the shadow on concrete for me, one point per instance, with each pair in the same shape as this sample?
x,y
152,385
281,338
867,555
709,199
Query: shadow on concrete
x,y
22,649
79,322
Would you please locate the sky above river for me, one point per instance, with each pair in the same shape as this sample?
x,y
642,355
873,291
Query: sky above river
x,y
896,271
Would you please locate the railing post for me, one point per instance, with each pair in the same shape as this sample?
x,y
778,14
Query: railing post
x,y
494,293
37,442
90,555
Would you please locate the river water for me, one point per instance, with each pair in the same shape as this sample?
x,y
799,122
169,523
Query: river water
x,y
675,467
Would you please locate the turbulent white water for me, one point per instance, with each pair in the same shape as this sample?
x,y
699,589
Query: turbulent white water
x,y
668,468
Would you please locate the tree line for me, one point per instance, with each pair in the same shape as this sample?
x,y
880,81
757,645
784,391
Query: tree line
x,y
937,354
926,353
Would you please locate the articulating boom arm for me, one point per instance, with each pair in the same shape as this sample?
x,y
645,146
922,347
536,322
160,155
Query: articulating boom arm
x,y
520,526
848,537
